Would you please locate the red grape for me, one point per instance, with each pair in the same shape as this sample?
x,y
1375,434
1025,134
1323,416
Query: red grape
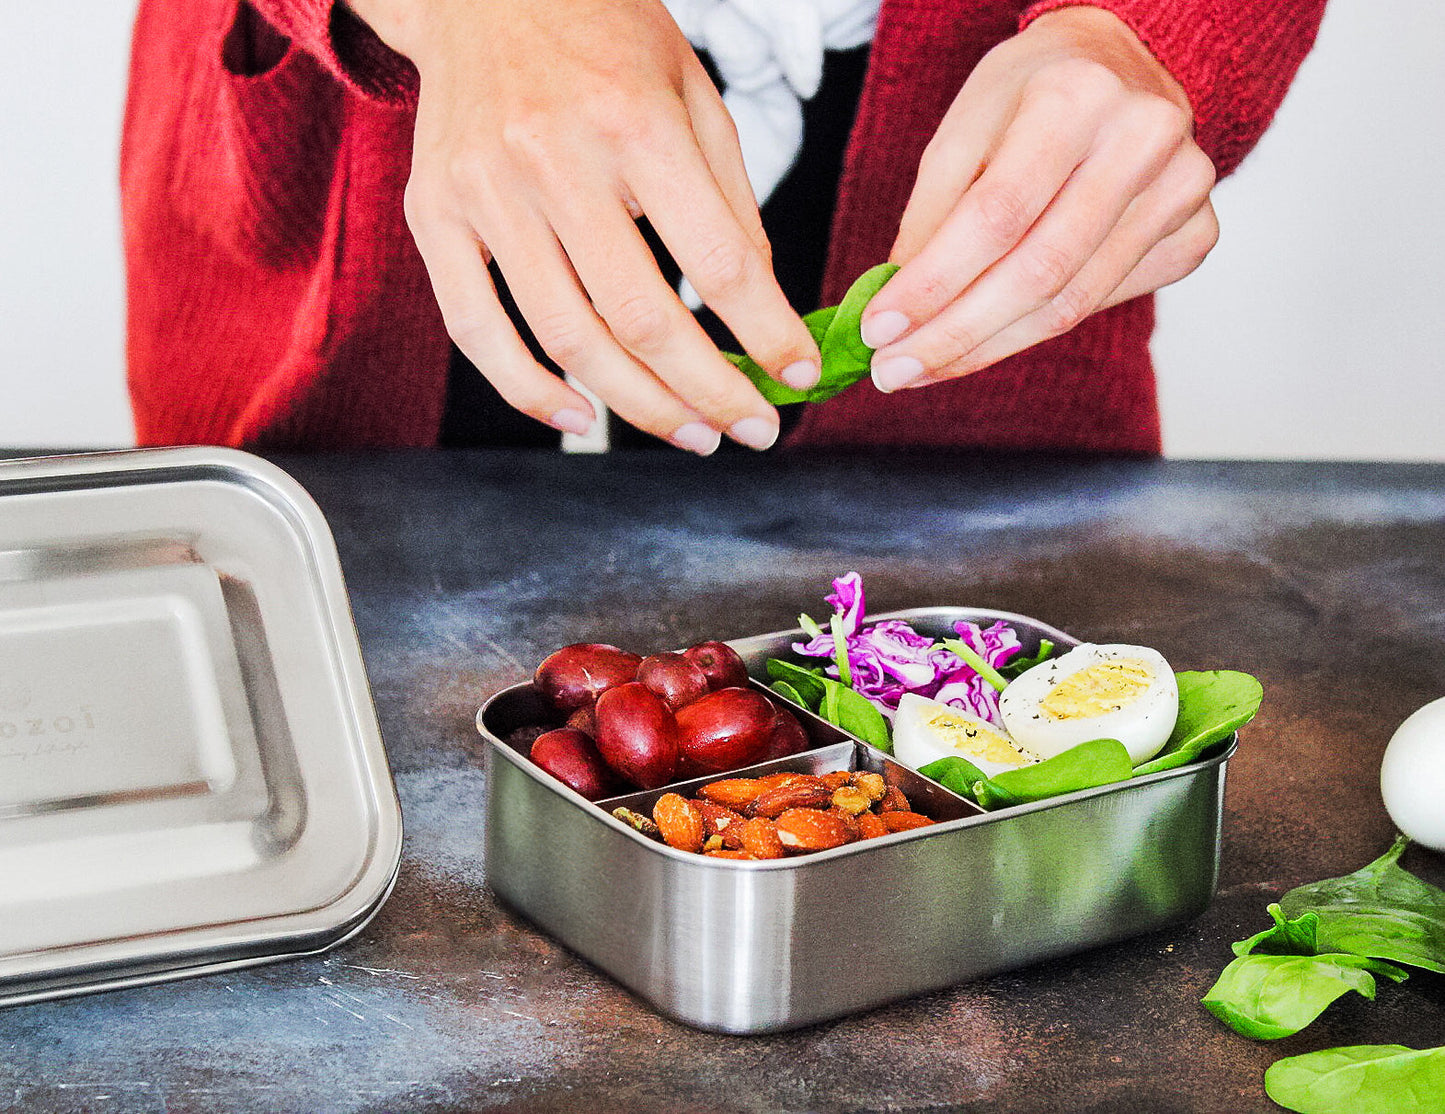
x,y
576,675
725,729
584,719
674,678
720,663
569,756
787,737
637,735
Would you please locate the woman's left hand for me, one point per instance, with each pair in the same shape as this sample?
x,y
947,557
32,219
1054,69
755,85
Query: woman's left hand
x,y
1063,179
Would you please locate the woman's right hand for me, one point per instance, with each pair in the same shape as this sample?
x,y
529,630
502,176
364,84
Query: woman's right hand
x,y
543,131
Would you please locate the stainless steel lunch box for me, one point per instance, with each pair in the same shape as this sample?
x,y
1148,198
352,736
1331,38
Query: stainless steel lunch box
x,y
752,947
191,772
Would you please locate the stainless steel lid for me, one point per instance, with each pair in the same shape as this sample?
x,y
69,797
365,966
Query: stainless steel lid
x,y
191,772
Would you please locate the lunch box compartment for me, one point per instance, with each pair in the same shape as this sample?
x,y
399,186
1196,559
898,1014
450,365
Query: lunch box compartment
x,y
924,795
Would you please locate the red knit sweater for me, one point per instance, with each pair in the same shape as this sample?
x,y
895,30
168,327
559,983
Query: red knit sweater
x,y
275,297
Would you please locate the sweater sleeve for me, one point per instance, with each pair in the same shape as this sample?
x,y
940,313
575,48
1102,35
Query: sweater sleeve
x,y
330,32
1235,60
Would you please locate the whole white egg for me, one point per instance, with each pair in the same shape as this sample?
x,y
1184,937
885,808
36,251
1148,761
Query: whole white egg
x,y
1116,691
1412,776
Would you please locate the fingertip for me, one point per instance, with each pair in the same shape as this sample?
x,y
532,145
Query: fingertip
x,y
571,420
802,375
896,372
756,433
883,327
696,437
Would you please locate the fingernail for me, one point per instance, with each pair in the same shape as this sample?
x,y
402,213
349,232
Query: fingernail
x,y
756,433
896,372
883,328
698,438
802,375
572,421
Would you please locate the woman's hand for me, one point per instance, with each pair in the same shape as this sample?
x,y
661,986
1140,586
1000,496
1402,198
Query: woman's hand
x,y
543,131
1063,179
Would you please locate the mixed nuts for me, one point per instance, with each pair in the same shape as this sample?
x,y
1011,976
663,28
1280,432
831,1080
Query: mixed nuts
x,y
779,814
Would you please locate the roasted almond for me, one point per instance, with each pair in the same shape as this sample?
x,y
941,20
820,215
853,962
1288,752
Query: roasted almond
x,y
733,792
680,822
871,826
904,821
795,794
782,777
871,783
837,778
760,839
811,829
851,799
729,854
893,800
717,818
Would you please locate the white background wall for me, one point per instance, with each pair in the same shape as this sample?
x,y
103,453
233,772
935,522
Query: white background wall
x,y
1316,329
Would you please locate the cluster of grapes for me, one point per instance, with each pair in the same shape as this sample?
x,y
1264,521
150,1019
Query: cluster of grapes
x,y
645,721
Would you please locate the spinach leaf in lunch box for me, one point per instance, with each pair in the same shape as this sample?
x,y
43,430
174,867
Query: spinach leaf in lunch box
x,y
788,692
807,683
837,703
1360,1079
955,773
1272,996
1381,910
1098,762
1286,937
854,713
838,332
1021,663
1212,706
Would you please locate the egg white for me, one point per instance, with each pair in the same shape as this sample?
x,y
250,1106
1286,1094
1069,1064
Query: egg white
x,y
1109,692
925,730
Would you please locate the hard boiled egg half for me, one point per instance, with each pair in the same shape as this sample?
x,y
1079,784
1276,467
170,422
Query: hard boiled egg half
x,y
1093,692
925,730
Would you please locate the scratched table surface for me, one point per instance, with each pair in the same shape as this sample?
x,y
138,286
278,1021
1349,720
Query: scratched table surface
x,y
1326,581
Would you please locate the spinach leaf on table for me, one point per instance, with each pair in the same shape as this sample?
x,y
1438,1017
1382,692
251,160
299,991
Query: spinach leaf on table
x,y
838,333
1212,706
1381,910
1360,1079
1272,996
1287,937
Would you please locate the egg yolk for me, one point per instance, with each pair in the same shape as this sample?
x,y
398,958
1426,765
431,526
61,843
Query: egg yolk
x,y
1105,686
969,737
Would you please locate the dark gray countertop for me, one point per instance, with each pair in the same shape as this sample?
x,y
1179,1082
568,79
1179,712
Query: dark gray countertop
x,y
1326,581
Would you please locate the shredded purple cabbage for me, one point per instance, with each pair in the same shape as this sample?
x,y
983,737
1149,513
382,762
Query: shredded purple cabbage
x,y
889,658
